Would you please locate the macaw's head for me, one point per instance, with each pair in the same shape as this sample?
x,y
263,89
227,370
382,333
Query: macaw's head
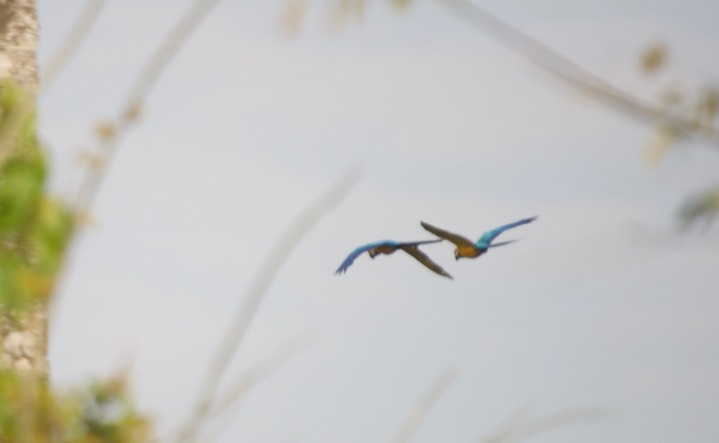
x,y
384,248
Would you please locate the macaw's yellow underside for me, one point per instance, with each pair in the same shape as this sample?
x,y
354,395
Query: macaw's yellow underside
x,y
468,252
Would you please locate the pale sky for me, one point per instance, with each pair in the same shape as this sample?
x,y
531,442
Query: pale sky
x,y
599,304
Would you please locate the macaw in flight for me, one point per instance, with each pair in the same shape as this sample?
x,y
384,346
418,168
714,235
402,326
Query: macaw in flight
x,y
388,247
466,248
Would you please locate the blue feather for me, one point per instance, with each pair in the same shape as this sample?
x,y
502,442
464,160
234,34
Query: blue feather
x,y
486,240
389,243
359,251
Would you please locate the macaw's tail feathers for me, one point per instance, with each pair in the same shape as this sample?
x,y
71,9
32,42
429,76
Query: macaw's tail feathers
x,y
423,242
502,243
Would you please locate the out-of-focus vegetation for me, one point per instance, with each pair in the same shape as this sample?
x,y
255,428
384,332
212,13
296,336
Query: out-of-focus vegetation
x,y
34,227
35,231
679,116
32,412
337,14
701,109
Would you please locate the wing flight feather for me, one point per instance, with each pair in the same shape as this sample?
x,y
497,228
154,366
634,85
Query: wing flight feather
x,y
454,238
487,238
422,258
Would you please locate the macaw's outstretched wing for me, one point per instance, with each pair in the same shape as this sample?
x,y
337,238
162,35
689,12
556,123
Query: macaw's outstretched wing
x,y
441,233
422,258
486,240
359,251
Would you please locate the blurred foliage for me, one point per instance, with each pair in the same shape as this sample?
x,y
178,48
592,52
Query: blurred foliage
x,y
659,144
707,106
30,412
701,109
679,114
702,205
336,13
34,233
34,228
653,57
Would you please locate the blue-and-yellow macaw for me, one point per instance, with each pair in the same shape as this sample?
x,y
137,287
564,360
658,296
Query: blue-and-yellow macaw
x,y
466,249
388,247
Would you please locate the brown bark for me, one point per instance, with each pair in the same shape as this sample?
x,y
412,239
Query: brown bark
x,y
24,340
18,42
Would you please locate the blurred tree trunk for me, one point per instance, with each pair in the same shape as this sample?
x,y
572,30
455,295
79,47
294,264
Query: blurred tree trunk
x,y
18,42
23,334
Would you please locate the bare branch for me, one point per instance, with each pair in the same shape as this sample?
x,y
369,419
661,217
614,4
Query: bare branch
x,y
523,429
133,102
69,46
425,403
254,295
504,431
574,74
225,407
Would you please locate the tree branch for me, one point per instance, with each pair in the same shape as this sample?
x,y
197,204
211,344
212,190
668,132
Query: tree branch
x,y
575,75
253,297
421,409
68,48
129,112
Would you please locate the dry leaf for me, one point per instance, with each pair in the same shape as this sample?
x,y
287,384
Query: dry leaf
x,y
654,58
659,144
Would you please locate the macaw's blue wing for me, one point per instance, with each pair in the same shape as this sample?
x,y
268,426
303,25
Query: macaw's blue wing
x,y
361,250
486,240
381,247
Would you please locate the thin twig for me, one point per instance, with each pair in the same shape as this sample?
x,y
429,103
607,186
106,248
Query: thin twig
x,y
254,295
429,398
561,419
225,407
529,428
72,42
574,74
143,84
510,425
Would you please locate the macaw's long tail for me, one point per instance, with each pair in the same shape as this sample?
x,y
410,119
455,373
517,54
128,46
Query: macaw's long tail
x,y
422,242
502,243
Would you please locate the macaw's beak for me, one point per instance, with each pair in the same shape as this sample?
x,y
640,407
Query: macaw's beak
x,y
456,255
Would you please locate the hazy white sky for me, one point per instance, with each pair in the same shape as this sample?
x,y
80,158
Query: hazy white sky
x,y
598,305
